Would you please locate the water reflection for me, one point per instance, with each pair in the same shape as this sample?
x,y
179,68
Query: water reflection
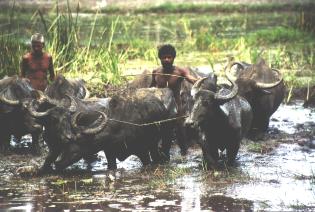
x,y
27,208
278,177
190,195
288,118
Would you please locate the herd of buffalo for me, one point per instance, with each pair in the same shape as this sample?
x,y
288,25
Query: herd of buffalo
x,y
141,120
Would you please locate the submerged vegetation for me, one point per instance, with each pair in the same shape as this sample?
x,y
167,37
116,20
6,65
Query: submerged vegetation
x,y
101,47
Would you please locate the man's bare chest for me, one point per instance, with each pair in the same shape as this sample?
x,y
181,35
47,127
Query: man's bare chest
x,y
38,65
163,81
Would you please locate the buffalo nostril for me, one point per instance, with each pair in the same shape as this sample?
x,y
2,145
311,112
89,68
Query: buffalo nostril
x,y
68,137
189,124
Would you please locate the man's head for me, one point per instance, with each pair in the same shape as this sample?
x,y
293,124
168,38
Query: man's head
x,y
37,37
37,41
167,54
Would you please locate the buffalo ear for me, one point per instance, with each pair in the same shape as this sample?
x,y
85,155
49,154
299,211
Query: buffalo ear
x,y
224,110
114,102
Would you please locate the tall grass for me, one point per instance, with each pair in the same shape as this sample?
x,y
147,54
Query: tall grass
x,y
9,63
9,47
99,54
75,58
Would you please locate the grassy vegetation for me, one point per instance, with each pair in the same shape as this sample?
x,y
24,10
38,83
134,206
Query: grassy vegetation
x,y
170,7
229,8
162,177
100,48
227,176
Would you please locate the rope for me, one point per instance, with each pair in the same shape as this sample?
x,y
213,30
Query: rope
x,y
174,75
151,123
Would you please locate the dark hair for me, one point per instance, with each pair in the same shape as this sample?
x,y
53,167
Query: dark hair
x,y
37,37
167,49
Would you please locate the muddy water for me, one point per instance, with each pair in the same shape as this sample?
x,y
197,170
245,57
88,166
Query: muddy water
x,y
276,175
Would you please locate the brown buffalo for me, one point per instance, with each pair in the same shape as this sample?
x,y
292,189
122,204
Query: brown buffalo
x,y
263,88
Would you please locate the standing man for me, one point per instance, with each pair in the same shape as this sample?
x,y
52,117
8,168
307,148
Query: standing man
x,y
172,77
36,64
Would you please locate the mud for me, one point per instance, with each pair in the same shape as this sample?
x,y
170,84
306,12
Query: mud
x,y
273,174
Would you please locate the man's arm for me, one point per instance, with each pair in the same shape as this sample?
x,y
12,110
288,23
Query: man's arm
x,y
23,67
51,69
153,82
188,76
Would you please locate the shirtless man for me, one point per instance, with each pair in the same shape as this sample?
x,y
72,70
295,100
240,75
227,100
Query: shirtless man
x,y
172,76
36,64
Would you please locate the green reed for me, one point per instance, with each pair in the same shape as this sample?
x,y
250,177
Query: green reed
x,y
9,62
75,58
110,41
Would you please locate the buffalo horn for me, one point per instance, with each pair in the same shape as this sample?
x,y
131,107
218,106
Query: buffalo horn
x,y
269,85
87,93
230,76
35,113
231,95
89,131
197,85
8,101
73,105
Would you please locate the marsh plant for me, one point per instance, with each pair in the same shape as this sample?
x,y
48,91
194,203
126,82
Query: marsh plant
x,y
97,46
162,177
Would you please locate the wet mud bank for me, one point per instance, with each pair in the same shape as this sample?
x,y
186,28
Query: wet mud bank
x,y
273,174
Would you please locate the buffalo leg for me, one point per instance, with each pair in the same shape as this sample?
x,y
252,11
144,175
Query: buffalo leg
x,y
4,143
51,158
145,158
232,151
35,144
89,159
265,124
210,155
111,160
181,138
233,147
154,152
166,143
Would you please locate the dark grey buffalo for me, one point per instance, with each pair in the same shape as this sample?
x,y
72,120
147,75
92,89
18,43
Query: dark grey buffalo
x,y
132,128
262,87
62,86
222,117
69,92
117,129
15,93
144,80
56,118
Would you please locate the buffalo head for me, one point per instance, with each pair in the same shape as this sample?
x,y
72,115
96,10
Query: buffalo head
x,y
207,99
71,87
251,79
14,98
263,88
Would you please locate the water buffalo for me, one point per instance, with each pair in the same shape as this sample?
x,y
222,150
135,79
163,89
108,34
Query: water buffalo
x,y
56,118
64,92
262,87
62,86
132,128
222,117
15,93
144,80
